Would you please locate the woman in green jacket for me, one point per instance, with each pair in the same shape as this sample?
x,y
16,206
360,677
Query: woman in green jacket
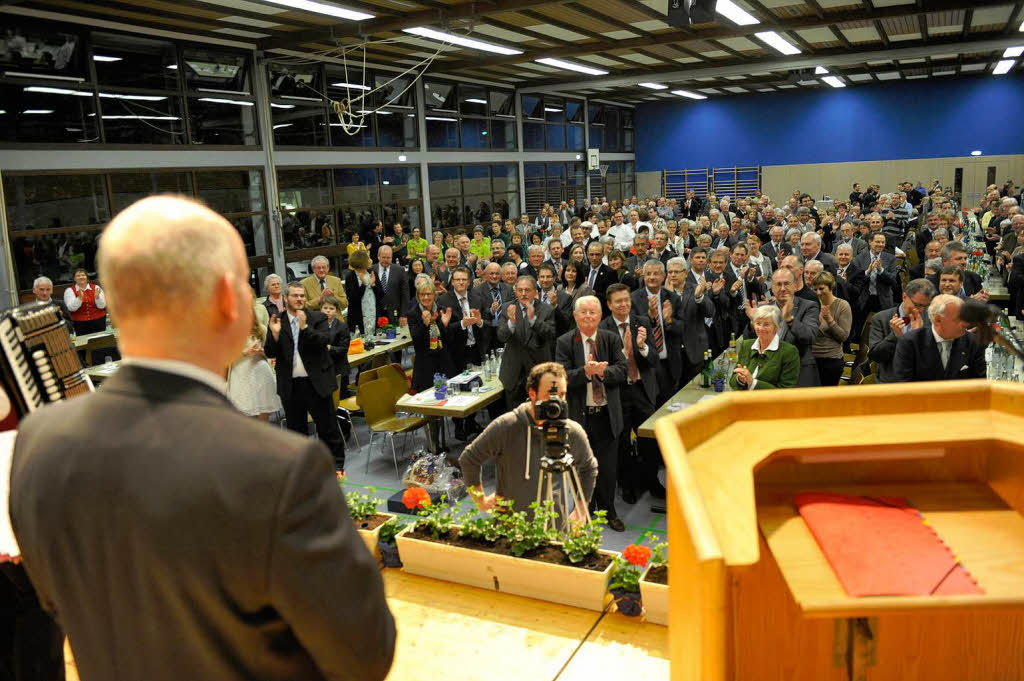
x,y
766,361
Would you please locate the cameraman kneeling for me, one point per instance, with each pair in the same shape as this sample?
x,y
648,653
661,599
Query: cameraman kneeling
x,y
515,441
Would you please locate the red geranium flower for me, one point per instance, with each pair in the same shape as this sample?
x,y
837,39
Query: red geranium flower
x,y
417,497
637,555
382,322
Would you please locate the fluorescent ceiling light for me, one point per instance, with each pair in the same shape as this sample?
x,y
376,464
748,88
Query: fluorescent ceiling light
x,y
385,181
351,85
439,118
173,67
455,39
734,13
976,152
323,8
834,81
1021,27
569,66
100,57
2,112
213,100
367,111
687,93
552,109
355,127
37,111
141,118
653,86
282,125
1013,52
1003,66
820,70
282,106
43,76
140,98
401,157
475,101
776,41
41,89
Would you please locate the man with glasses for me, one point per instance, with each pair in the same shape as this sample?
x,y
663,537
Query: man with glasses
x,y
888,326
527,329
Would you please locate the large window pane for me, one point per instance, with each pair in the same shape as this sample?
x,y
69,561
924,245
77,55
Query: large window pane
x,y
574,111
576,137
506,177
556,136
298,124
48,201
355,185
133,61
444,181
476,179
393,91
596,113
53,255
473,100
474,133
442,132
253,230
597,137
215,71
55,114
533,136
533,107
222,121
399,183
130,187
308,229
476,210
503,134
440,96
507,205
503,103
445,213
131,121
231,191
354,133
554,110
357,218
303,81
300,188
396,129
38,48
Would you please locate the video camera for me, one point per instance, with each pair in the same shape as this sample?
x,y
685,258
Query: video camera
x,y
554,412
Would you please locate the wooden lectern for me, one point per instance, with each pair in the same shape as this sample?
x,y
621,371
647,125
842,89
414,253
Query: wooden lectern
x,y
752,596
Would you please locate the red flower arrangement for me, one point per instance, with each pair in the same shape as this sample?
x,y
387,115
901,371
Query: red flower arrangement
x,y
383,322
637,554
978,253
416,498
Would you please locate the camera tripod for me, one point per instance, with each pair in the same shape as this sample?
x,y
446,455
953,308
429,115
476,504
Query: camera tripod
x,y
561,468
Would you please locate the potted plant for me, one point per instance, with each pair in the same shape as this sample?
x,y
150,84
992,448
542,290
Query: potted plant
x,y
386,543
719,377
385,326
363,509
654,585
440,386
510,551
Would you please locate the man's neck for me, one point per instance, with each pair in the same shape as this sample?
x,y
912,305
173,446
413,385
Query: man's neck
x,y
698,273
653,293
619,320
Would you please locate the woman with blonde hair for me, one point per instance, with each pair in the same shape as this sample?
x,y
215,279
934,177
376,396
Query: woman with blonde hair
x,y
252,386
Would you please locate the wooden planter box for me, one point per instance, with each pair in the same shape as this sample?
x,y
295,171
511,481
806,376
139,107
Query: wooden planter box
x,y
370,537
578,587
655,598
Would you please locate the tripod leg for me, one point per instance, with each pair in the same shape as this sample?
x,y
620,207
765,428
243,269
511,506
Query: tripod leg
x,y
578,494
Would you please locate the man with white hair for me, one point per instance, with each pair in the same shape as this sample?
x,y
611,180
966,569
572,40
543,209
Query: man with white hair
x,y
321,284
174,502
42,288
941,350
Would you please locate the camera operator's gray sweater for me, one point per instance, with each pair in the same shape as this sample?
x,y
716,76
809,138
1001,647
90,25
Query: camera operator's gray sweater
x,y
516,444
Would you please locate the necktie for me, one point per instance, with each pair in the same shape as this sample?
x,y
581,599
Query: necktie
x,y
384,279
598,386
944,348
323,284
496,297
592,278
295,341
659,339
627,347
469,329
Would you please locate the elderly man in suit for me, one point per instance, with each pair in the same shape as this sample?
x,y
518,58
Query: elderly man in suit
x,y
321,283
394,287
42,289
941,350
875,277
305,370
463,338
637,469
800,323
955,253
175,506
847,235
490,297
600,276
527,330
810,247
776,245
889,325
597,368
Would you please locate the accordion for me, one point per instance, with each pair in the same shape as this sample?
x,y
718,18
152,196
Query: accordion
x,y
38,361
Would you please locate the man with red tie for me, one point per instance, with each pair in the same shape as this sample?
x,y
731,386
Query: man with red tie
x,y
596,367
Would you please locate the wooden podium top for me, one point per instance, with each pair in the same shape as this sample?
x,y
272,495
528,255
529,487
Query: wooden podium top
x,y
714,451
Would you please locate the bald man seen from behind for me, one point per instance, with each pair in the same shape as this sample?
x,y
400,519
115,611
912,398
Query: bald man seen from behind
x,y
172,536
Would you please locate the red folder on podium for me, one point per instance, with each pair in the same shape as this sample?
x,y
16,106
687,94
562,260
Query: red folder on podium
x,y
882,546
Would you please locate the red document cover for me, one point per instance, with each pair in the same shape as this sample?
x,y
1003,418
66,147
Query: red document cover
x,y
881,546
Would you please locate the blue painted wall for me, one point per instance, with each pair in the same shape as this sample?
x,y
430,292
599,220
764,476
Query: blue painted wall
x,y
912,119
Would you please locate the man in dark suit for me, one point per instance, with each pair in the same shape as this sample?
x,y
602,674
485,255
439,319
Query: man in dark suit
x,y
600,276
558,300
597,368
875,277
443,272
800,326
639,396
941,350
527,329
847,235
955,253
932,250
490,298
565,214
691,205
888,326
635,263
810,247
775,244
394,286
305,370
190,541
463,337
662,308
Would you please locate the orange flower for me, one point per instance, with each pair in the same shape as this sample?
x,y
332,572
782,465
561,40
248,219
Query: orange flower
x,y
416,497
637,555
